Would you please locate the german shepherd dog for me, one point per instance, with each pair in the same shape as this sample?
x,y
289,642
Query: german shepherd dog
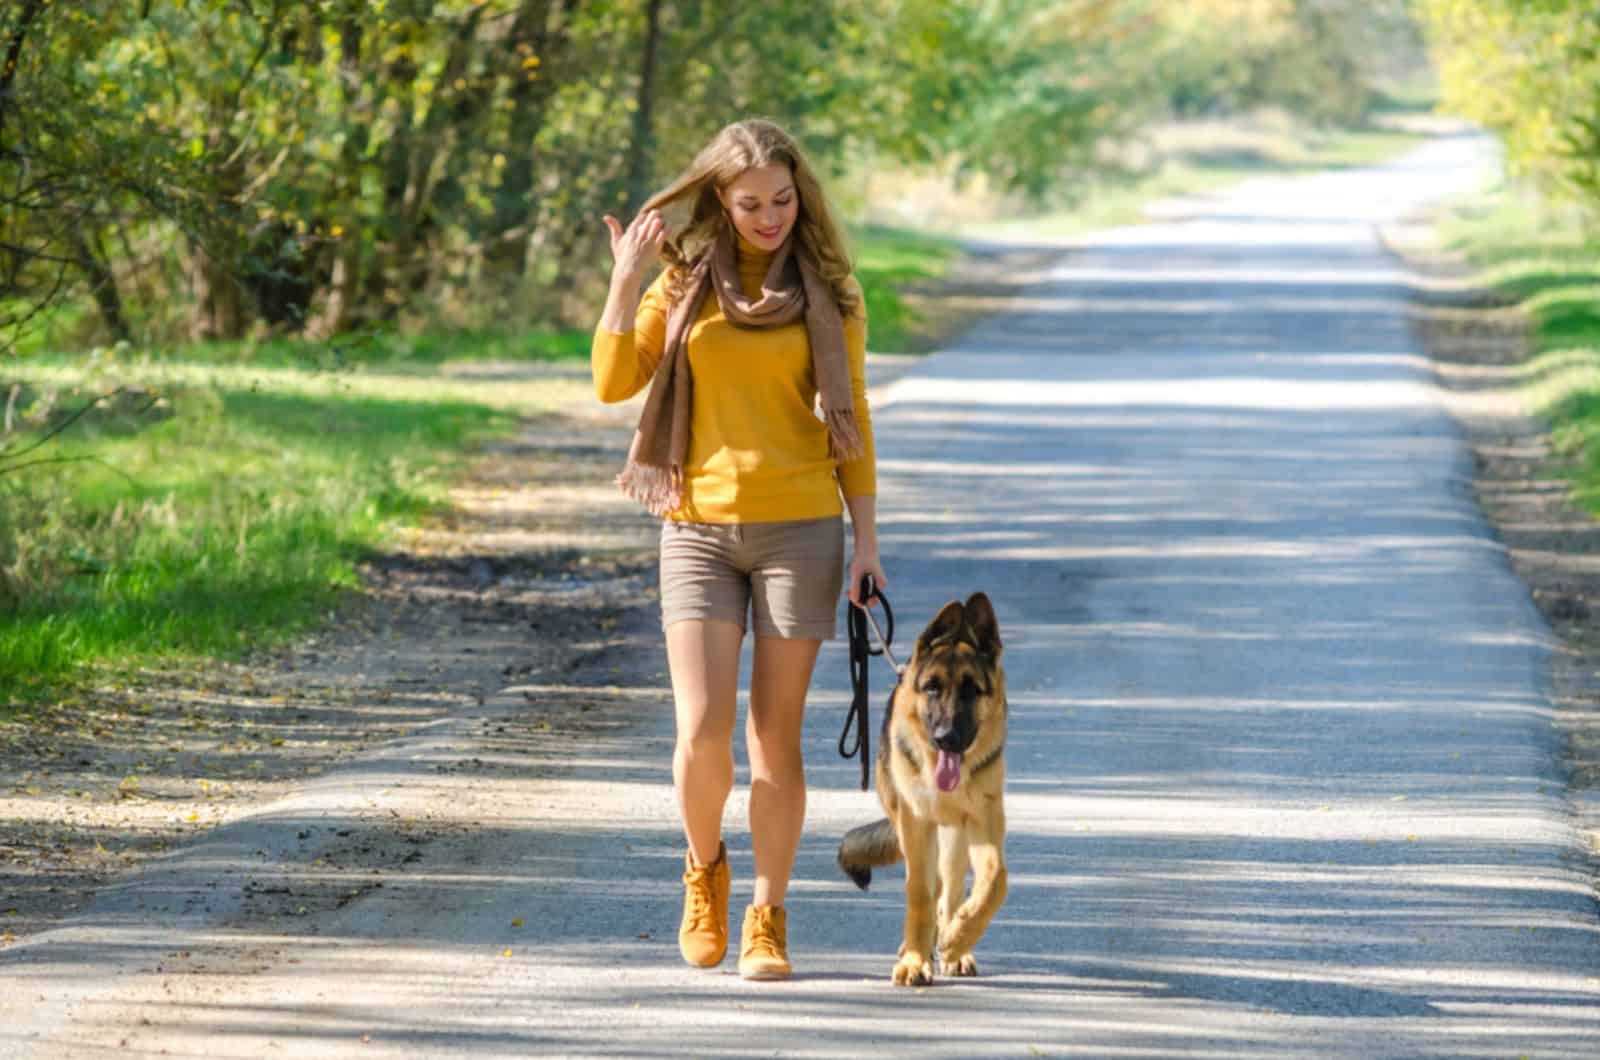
x,y
941,777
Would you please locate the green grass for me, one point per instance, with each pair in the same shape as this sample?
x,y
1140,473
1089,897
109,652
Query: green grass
x,y
887,258
1539,258
1414,93
54,330
230,514
385,347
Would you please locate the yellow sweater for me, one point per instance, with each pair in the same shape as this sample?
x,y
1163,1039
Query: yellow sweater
x,y
758,452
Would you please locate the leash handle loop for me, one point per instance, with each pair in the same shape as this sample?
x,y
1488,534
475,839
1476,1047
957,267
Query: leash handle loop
x,y
861,651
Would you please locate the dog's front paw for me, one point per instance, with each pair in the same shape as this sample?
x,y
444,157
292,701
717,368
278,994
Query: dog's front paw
x,y
912,969
965,965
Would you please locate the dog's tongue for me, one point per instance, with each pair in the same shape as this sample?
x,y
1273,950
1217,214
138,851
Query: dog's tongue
x,y
947,771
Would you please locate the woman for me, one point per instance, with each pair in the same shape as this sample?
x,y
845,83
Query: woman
x,y
755,316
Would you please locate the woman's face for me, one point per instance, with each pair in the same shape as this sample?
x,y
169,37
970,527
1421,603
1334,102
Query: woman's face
x,y
763,203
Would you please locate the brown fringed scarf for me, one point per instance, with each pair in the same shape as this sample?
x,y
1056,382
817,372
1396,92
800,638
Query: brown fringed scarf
x,y
791,289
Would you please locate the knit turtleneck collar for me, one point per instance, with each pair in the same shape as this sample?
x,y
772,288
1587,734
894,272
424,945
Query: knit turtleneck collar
x,y
752,259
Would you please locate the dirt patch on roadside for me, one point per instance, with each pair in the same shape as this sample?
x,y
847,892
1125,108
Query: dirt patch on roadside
x,y
537,565
1477,342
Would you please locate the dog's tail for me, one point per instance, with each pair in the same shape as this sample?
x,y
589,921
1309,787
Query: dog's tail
x,y
866,848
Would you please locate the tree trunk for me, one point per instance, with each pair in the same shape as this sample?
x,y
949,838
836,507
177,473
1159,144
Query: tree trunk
x,y
401,73
219,309
537,38
102,285
424,162
642,151
219,299
8,72
340,307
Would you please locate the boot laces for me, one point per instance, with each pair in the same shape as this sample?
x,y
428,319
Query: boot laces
x,y
701,909
764,940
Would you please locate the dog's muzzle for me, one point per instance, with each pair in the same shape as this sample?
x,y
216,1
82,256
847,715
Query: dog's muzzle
x,y
950,743
956,736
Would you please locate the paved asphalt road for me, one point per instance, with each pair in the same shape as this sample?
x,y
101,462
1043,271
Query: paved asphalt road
x,y
1282,771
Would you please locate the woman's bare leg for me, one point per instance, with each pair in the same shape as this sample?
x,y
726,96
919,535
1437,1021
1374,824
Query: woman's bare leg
x,y
703,656
780,678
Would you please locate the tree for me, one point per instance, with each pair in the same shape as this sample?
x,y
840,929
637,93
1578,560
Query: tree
x,y
1542,58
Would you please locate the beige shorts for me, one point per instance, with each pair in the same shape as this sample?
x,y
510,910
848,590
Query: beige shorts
x,y
790,572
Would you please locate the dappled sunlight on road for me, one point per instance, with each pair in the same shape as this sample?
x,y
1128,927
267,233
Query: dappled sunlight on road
x,y
1241,392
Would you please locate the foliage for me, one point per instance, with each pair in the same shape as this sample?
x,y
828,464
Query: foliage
x,y
1542,58
216,169
1329,60
1547,268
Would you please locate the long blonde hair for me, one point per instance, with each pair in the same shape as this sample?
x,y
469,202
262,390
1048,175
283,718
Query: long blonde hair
x,y
737,147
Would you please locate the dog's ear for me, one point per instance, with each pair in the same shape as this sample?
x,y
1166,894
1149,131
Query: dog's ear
x,y
983,626
947,623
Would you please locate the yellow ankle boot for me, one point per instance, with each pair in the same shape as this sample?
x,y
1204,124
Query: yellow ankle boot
x,y
764,945
703,935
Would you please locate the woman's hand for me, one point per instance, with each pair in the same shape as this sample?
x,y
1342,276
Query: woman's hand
x,y
862,563
634,250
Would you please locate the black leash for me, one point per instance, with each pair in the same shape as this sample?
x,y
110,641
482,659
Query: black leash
x,y
861,650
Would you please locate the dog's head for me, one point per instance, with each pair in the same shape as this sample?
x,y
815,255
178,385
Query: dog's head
x,y
955,680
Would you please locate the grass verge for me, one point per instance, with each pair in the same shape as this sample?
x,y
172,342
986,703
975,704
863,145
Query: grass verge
x,y
1539,259
887,259
206,507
